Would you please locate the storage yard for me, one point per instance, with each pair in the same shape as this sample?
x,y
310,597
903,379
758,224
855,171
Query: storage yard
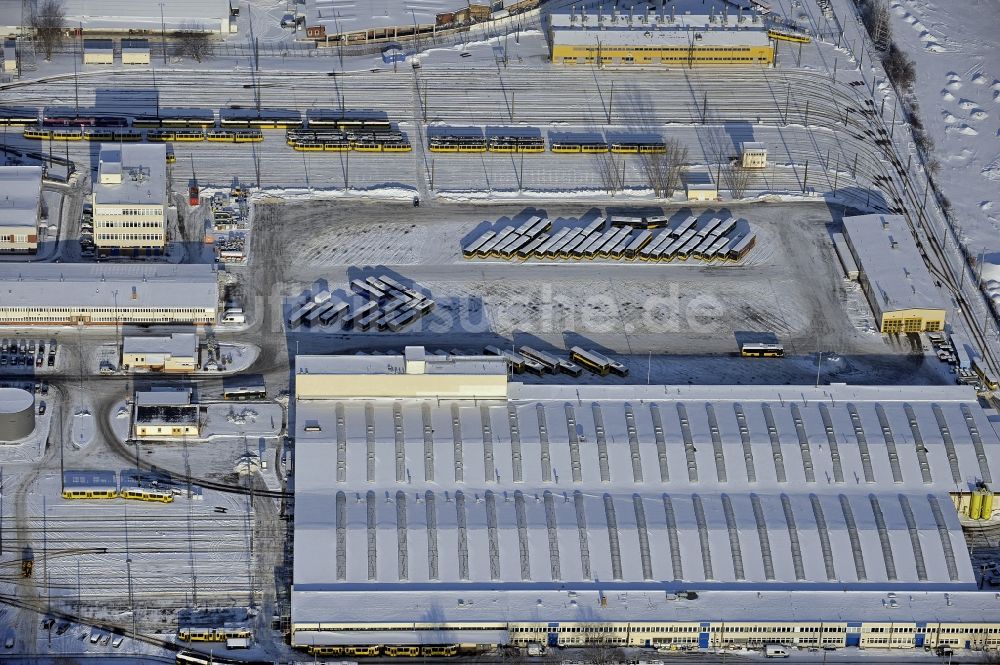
x,y
783,285
490,331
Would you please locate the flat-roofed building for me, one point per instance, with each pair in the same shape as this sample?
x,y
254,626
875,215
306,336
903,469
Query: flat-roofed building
x,y
20,208
413,374
575,514
135,51
702,191
98,52
609,37
753,155
165,414
177,352
57,294
130,199
894,277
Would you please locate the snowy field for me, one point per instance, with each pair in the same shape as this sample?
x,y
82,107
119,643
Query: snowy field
x,y
958,87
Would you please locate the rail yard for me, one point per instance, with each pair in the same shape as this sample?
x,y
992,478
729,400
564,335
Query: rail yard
x,y
547,331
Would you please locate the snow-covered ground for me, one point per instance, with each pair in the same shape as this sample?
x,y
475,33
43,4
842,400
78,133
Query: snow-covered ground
x,y
954,45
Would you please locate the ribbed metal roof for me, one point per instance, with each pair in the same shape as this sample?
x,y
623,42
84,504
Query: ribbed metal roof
x,y
831,487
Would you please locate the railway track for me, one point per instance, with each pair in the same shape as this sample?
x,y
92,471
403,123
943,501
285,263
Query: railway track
x,y
816,115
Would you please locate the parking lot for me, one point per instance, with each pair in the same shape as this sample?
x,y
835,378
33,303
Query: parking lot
x,y
27,354
789,285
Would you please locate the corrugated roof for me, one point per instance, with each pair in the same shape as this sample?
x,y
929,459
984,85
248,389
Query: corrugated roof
x,y
636,489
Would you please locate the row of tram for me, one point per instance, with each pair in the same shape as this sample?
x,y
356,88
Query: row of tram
x,y
126,484
392,651
332,139
232,126
616,147
479,143
153,494
213,634
536,144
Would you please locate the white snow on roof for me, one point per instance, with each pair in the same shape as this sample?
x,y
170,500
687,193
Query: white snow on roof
x,y
143,170
116,14
396,364
656,31
635,489
659,39
20,189
151,285
887,254
98,45
176,345
15,400
163,397
84,479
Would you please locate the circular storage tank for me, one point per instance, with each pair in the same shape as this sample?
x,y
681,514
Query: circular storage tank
x,y
17,414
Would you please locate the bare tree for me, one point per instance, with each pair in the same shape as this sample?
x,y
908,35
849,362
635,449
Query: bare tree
x,y
609,171
602,652
193,42
48,21
663,170
736,178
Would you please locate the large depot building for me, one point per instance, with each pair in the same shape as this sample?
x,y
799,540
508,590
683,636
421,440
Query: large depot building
x,y
610,37
893,275
56,294
456,513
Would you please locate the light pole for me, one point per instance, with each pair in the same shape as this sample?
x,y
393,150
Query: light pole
x,y
163,35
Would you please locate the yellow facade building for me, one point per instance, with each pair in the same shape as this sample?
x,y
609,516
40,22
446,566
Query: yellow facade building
x,y
702,192
98,52
412,375
135,51
177,352
165,414
679,41
899,288
753,155
130,199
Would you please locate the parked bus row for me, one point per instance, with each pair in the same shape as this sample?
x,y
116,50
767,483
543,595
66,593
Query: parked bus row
x,y
628,238
533,361
390,306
